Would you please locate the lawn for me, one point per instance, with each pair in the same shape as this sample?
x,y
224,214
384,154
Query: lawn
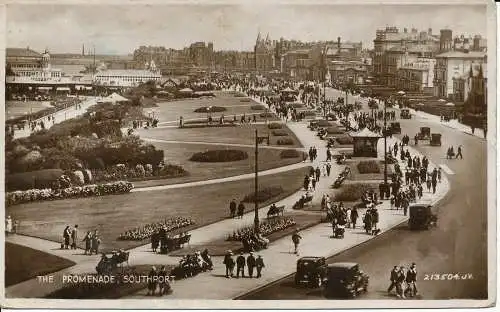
x,y
357,176
171,111
220,247
23,263
114,214
179,154
16,109
244,134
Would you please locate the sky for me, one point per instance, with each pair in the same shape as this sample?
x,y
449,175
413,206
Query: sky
x,y
121,29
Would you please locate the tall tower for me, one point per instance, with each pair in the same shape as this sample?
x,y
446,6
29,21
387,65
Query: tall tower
x,y
83,49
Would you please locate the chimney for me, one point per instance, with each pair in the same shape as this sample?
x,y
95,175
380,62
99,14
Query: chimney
x,y
338,43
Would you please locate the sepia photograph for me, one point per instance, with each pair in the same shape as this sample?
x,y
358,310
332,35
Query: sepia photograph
x,y
257,155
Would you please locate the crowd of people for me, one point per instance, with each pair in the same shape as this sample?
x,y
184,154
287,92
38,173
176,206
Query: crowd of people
x,y
404,281
240,263
146,231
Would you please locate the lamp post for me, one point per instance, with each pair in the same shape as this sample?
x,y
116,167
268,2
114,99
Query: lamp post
x,y
256,211
385,146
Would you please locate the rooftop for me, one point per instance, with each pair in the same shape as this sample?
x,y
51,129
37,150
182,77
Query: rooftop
x,y
459,54
127,72
21,52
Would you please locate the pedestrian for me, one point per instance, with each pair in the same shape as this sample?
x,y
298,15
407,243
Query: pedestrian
x,y
348,217
8,225
400,283
152,279
411,280
434,183
88,243
229,263
328,169
250,264
313,181
232,208
74,236
318,173
66,236
96,241
459,152
439,174
241,210
296,241
240,265
354,216
393,278
429,183
164,283
259,264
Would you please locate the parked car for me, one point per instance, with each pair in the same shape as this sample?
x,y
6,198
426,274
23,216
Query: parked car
x,y
405,114
421,217
395,127
310,271
435,139
345,279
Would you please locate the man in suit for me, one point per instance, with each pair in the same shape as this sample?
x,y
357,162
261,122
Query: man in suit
x,y
240,266
250,264
393,278
241,210
259,264
232,208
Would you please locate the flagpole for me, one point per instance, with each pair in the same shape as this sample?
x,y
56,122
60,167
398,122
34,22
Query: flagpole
x,y
256,218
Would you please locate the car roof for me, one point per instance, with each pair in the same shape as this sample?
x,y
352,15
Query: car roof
x,y
422,204
343,265
309,258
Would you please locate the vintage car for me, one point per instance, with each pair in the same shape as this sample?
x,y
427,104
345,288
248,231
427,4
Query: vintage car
x,y
313,124
405,114
421,217
435,139
395,127
310,271
345,279
424,134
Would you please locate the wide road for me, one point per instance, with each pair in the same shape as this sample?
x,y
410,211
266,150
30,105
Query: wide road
x,y
457,245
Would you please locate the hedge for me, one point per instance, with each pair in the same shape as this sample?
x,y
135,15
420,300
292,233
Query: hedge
x,y
344,139
257,107
353,192
39,179
219,156
275,125
279,132
334,130
368,166
285,141
213,109
291,153
264,194
324,123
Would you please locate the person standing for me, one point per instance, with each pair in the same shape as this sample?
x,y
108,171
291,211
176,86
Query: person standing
x,y
318,174
348,217
240,265
241,210
439,174
74,236
313,181
354,216
229,263
393,278
328,169
8,225
66,236
411,279
459,152
296,241
232,208
96,241
88,243
250,264
400,283
259,264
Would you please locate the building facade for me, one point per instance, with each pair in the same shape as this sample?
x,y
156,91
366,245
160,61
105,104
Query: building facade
x,y
265,54
28,65
416,76
348,71
128,78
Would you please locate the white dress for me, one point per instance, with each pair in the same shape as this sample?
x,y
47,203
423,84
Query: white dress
x,y
8,225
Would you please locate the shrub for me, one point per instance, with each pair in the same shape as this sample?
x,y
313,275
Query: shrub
x,y
291,153
264,194
285,141
345,139
275,125
257,107
353,192
369,166
279,132
80,178
172,170
266,115
34,179
334,130
213,109
219,156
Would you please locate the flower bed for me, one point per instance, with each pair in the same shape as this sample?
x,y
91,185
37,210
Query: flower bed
x,y
285,141
257,107
291,153
212,109
219,156
265,228
117,173
353,192
279,132
264,194
275,125
20,197
369,166
145,232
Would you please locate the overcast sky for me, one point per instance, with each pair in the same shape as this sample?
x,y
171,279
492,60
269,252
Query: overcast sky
x,y
120,29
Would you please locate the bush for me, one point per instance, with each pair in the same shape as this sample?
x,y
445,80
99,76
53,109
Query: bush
x,y
345,140
334,130
291,153
257,107
264,194
285,141
219,156
266,115
275,125
34,179
172,171
279,132
213,109
353,192
369,166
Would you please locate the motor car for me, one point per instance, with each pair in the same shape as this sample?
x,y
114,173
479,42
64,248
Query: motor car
x,y
424,134
310,271
345,279
405,114
395,127
435,139
422,217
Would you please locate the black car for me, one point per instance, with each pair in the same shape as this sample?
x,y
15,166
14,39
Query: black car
x,y
345,279
310,271
421,217
395,127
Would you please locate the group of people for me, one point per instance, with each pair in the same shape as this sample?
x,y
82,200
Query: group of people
x,y
11,226
451,152
92,241
147,230
158,279
250,263
192,264
404,280
313,153
236,210
70,237
163,240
